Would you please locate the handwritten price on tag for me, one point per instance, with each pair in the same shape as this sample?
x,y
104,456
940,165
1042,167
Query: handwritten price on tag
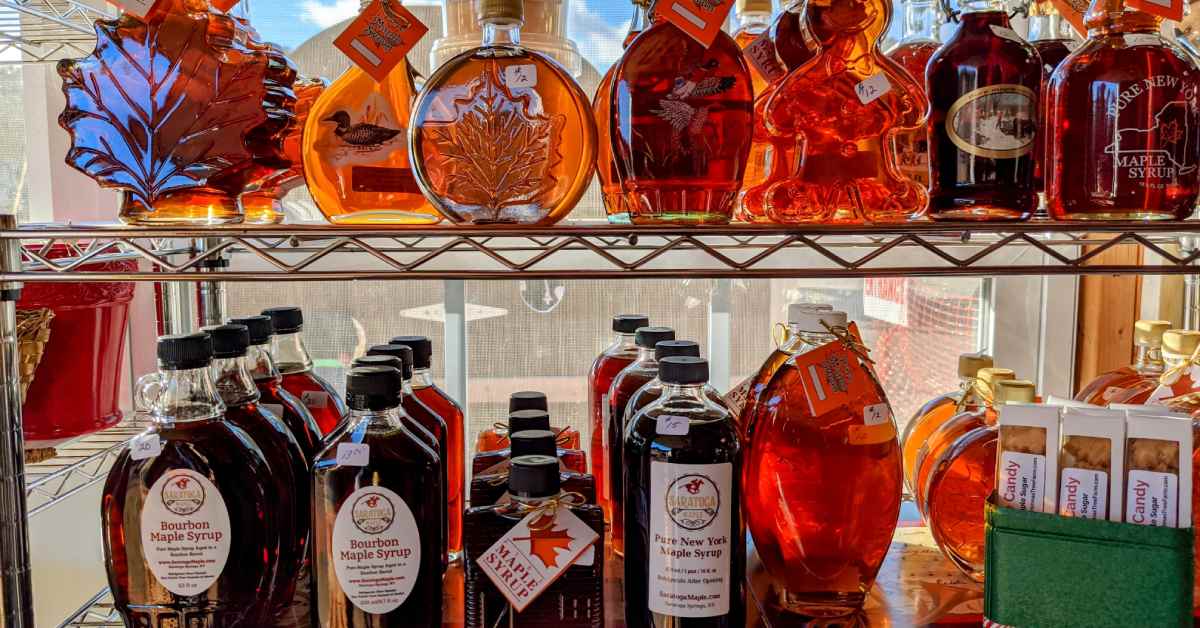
x,y
872,88
673,426
353,454
516,76
876,414
145,446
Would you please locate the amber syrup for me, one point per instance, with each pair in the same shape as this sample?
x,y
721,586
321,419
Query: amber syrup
x,y
940,409
683,463
296,366
1146,368
801,332
618,355
377,512
606,167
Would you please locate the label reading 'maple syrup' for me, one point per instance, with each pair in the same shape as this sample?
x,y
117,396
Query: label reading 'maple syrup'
x,y
376,549
690,539
1083,493
185,532
1151,146
1022,481
1152,498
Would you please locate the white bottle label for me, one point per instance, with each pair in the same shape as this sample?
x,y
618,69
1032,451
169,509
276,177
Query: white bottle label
x,y
315,399
376,549
1142,39
185,532
690,552
1152,499
1083,493
1022,481
524,75
147,445
534,553
872,88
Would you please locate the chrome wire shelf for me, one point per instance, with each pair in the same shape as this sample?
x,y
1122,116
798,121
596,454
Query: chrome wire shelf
x,y
601,251
48,30
77,465
95,613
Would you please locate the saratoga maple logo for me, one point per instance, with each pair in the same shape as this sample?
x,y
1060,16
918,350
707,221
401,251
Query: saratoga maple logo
x,y
373,513
693,501
182,495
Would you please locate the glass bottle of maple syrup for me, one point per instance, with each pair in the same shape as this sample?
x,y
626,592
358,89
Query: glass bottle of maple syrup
x,y
576,598
420,431
653,389
356,159
272,396
1147,366
983,88
942,408
922,37
501,133
496,437
681,128
424,390
188,495
288,466
751,18
1052,36
606,168
1139,130
377,553
525,421
963,477
683,462
296,366
620,353
489,486
1178,346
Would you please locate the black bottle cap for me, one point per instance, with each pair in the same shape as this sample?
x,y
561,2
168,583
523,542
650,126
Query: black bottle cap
x,y
260,327
629,323
287,319
187,351
389,361
533,476
522,420
404,353
648,337
373,388
533,443
228,341
683,370
672,348
422,349
527,400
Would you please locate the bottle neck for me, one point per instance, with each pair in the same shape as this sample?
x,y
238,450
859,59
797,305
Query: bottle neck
x,y
638,23
1046,27
387,418
969,7
290,353
646,356
685,392
980,15
533,502
802,340
421,378
1148,359
752,21
921,21
261,365
501,33
233,381
623,343
186,395
1111,16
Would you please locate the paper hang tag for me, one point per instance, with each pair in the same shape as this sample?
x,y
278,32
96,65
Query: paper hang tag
x,y
137,8
871,88
700,19
1169,9
1073,11
735,399
380,36
833,376
525,562
223,5
761,54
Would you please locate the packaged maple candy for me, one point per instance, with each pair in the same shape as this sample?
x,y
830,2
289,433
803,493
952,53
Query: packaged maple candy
x,y
1092,463
1158,470
1027,460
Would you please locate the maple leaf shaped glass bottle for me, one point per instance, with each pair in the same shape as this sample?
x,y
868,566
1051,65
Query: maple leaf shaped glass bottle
x,y
983,88
576,598
843,110
501,133
606,166
681,124
356,158
1127,98
193,488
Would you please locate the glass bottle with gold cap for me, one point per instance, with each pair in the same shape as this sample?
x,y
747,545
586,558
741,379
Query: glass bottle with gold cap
x,y
1179,383
502,134
942,408
961,479
606,167
1146,368
355,149
751,18
961,423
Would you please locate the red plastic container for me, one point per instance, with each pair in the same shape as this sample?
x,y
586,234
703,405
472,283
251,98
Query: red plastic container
x,y
77,384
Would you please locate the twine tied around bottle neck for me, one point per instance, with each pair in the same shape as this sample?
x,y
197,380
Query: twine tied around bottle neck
x,y
1172,374
976,388
850,341
547,509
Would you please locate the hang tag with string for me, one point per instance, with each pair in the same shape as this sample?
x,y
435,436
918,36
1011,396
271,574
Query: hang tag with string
x,y
700,19
534,553
380,37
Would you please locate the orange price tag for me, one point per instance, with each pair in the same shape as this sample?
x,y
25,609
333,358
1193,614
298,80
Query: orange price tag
x,y
137,8
1169,9
380,37
1073,11
700,19
834,377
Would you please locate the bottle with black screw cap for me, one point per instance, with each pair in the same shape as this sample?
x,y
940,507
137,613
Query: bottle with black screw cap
x,y
193,471
294,362
682,472
417,429
618,355
269,381
495,440
521,421
653,389
289,467
377,515
491,484
576,598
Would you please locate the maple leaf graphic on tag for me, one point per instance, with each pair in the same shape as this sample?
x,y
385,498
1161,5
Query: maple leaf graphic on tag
x,y
544,542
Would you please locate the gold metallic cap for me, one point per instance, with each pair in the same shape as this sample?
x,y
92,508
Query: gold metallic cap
x,y
1150,332
501,11
758,6
1015,391
969,364
1180,341
1042,7
991,375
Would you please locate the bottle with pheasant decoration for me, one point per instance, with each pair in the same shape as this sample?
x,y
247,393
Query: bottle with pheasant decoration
x,y
922,27
502,134
606,168
681,124
844,109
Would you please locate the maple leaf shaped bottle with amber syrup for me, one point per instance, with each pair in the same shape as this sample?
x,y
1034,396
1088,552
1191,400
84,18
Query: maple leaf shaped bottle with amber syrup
x,y
162,110
576,598
502,134
1139,130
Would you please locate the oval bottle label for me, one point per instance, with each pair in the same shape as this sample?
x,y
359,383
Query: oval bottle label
x,y
376,549
185,532
998,121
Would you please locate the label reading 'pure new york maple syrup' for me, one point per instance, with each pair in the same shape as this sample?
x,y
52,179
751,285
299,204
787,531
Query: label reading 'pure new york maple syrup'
x,y
376,549
185,532
1155,118
534,553
690,535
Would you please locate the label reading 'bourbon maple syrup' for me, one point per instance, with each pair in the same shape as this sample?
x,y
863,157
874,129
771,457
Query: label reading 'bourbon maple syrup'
x,y
534,553
1152,498
1022,480
997,122
376,549
185,532
690,533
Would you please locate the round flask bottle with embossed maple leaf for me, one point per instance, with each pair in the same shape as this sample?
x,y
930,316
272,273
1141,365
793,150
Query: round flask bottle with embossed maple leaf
x,y
502,134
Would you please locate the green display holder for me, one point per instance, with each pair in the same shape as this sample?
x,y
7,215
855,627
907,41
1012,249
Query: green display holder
x,y
1060,572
